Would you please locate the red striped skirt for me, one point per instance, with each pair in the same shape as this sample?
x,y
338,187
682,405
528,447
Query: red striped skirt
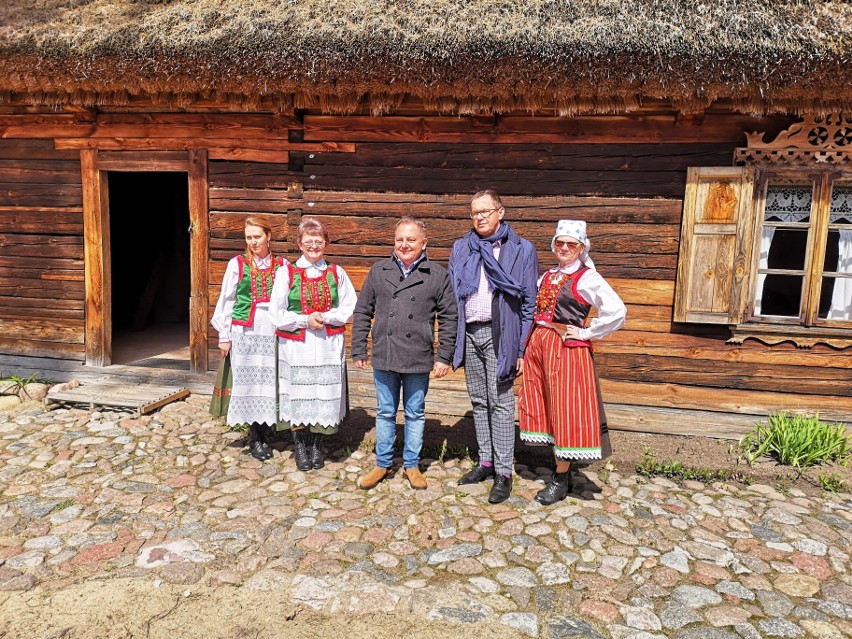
x,y
560,402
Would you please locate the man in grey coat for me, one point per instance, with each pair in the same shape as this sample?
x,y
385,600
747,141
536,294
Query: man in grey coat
x,y
403,296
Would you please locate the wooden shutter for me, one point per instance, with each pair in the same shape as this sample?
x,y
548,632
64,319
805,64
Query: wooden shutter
x,y
715,246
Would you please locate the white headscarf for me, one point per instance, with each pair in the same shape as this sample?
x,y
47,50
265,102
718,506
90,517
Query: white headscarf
x,y
575,229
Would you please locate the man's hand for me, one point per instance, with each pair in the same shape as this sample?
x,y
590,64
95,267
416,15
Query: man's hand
x,y
440,369
224,348
315,321
360,363
519,365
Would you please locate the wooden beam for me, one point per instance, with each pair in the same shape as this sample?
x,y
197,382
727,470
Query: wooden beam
x,y
210,143
96,257
199,250
623,129
250,155
140,161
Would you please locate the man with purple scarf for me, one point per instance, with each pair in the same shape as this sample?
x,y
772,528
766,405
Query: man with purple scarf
x,y
494,273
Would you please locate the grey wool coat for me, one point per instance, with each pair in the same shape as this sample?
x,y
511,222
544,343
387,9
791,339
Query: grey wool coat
x,y
403,312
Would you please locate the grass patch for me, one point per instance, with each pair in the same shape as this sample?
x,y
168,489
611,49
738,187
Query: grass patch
x,y
650,467
831,483
800,441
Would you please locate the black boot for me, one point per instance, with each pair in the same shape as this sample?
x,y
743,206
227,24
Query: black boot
x,y
315,452
265,436
557,488
255,442
300,449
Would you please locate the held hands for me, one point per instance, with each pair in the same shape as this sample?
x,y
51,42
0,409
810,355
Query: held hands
x,y
315,321
224,348
439,369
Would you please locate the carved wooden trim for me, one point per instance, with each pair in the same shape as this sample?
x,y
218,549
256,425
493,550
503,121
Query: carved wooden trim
x,y
817,140
771,336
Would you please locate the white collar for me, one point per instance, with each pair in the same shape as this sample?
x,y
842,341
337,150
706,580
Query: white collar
x,y
573,267
304,262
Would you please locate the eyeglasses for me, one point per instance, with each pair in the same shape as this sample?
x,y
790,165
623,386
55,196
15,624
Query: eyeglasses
x,y
564,244
484,213
314,243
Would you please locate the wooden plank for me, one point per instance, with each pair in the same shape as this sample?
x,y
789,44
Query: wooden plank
x,y
28,219
68,331
728,400
140,161
97,260
143,400
35,348
641,129
22,194
37,245
199,255
34,171
750,376
35,150
250,155
148,125
233,225
252,200
668,421
209,143
716,350
20,287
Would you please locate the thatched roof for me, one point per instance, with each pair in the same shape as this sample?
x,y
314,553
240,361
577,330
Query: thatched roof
x,y
457,55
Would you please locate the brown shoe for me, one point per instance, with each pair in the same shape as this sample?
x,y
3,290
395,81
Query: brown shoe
x,y
415,478
372,478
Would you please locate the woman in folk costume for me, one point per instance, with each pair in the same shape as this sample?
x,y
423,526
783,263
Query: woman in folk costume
x,y
312,301
560,402
247,334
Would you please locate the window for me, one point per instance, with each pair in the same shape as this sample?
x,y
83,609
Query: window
x,y
769,252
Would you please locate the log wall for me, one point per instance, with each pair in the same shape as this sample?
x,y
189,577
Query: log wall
x,y
41,250
624,175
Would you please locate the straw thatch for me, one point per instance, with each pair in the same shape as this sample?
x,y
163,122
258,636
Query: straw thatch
x,y
474,56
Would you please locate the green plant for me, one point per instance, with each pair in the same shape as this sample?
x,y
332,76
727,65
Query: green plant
x,y
831,483
367,444
15,383
650,467
799,441
240,428
65,504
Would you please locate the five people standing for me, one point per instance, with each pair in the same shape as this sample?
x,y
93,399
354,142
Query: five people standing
x,y
283,325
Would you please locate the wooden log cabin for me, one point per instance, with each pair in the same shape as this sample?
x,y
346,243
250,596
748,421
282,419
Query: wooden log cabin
x,y
707,145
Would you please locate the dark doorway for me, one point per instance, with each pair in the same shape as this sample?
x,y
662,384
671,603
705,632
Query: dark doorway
x,y
149,246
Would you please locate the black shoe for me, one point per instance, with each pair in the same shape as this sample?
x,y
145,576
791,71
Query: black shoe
x,y
266,434
501,489
256,442
478,474
557,488
300,449
315,452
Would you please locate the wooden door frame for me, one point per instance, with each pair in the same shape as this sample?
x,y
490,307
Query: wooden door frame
x,y
94,165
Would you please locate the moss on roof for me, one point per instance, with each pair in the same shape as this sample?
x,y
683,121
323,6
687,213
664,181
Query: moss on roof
x,y
478,55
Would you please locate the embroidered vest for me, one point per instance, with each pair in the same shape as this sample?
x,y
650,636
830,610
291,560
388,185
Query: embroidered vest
x,y
308,295
253,288
558,301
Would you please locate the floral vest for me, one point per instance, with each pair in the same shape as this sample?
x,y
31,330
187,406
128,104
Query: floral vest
x,y
558,301
308,295
252,290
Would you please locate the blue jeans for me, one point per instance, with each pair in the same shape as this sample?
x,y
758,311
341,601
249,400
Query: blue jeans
x,y
414,387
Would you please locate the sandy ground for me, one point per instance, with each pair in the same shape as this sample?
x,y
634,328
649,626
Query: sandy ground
x,y
135,608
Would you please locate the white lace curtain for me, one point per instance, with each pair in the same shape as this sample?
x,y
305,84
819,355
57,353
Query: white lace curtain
x,y
841,298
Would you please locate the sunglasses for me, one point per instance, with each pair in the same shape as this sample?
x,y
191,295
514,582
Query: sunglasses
x,y
564,244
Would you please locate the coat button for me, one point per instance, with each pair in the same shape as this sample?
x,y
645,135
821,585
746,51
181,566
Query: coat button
x,y
390,332
412,298
410,316
394,296
408,334
401,278
391,314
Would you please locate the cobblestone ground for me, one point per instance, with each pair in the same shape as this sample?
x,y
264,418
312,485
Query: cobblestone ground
x,y
174,498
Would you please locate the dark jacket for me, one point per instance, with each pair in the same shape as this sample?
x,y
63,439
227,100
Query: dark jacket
x,y
512,318
403,312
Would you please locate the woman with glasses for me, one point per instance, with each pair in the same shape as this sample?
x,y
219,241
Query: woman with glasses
x,y
312,301
247,335
560,401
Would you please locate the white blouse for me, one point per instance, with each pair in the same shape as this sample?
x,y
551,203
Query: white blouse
x,y
593,287
224,312
287,320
